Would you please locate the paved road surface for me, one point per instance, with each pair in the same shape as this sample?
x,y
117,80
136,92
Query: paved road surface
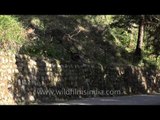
x,y
120,100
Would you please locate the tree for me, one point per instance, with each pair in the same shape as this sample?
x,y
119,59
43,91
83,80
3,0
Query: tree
x,y
153,40
138,51
148,24
128,22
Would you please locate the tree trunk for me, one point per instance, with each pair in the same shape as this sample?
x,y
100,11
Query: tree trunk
x,y
138,51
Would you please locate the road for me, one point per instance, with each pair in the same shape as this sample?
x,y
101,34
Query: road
x,y
120,100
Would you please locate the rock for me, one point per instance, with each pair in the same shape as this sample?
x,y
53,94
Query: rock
x,y
31,98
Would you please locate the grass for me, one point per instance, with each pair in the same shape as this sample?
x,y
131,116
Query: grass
x,y
12,33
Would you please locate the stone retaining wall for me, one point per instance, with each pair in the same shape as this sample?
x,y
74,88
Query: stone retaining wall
x,y
24,79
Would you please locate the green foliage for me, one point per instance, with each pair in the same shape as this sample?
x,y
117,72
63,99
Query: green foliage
x,y
43,47
106,38
37,23
128,25
11,32
99,19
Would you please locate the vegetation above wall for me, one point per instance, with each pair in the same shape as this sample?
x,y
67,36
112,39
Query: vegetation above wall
x,y
128,44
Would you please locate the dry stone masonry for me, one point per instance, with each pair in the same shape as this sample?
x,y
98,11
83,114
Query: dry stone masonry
x,y
25,79
22,76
